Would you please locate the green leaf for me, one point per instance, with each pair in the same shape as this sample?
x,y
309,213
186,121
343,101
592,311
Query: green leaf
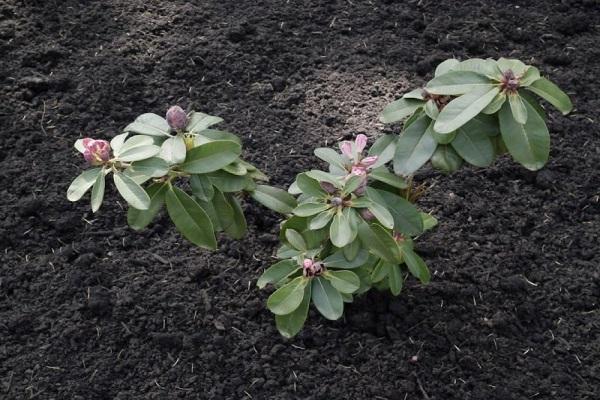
x,y
277,272
517,108
321,220
384,148
529,144
295,239
133,193
352,183
327,299
209,135
190,219
149,124
429,221
516,66
223,211
457,83
274,198
381,213
495,104
531,75
98,192
415,147
199,121
339,260
406,215
238,228
443,138
152,167
399,109
211,156
487,124
309,186
309,209
431,109
340,230
202,187
321,176
485,67
83,183
382,174
414,94
381,271
379,242
474,146
173,150
395,279
227,182
462,109
445,66
446,159
116,143
343,281
139,219
533,102
352,250
139,152
330,156
552,94
287,298
415,264
290,324
235,168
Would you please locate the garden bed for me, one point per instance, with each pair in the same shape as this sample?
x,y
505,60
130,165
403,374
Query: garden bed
x,y
90,309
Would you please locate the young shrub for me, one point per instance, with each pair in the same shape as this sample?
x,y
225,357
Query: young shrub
x,y
473,111
351,231
155,155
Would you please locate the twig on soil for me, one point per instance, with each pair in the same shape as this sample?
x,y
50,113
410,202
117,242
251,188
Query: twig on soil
x,y
42,120
425,395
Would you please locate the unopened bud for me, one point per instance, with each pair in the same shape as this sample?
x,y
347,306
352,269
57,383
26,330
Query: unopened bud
x,y
177,118
328,187
336,201
366,214
96,152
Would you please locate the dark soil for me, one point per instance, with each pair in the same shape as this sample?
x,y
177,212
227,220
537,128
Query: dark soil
x,y
92,310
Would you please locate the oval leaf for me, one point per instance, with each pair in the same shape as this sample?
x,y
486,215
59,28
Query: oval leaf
x,y
190,219
149,124
529,144
327,299
552,94
474,146
343,281
462,109
133,193
139,219
211,156
277,272
458,82
287,298
399,109
415,147
98,192
274,198
82,183
290,324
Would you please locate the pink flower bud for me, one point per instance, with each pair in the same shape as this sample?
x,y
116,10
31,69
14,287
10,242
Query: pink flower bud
x,y
96,152
346,148
311,268
366,214
336,201
177,118
369,161
361,142
307,263
359,170
328,187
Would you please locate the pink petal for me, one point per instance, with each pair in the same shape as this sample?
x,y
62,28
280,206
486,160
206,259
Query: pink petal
x,y
361,142
346,148
368,161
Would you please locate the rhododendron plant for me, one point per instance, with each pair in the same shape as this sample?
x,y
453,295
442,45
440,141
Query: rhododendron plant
x,y
352,230
162,153
473,111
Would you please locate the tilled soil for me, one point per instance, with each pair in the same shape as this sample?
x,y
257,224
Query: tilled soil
x,y
91,310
